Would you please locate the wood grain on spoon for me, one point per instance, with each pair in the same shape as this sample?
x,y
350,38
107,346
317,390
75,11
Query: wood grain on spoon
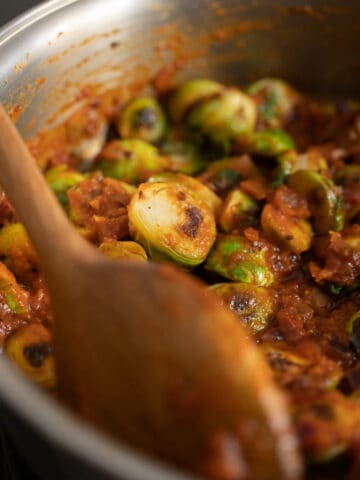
x,y
145,353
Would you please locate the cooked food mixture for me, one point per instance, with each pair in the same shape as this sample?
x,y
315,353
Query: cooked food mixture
x,y
257,192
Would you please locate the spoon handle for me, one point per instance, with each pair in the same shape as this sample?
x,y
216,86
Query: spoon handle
x,y
50,231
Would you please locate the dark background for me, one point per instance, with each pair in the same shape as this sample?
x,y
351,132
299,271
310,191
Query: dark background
x,y
10,8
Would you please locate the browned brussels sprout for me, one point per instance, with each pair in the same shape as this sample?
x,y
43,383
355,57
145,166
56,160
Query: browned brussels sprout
x,y
16,247
328,425
225,174
30,348
254,305
183,156
235,258
12,294
198,189
324,199
224,119
142,118
131,160
191,93
125,250
171,224
238,210
275,99
289,232
270,143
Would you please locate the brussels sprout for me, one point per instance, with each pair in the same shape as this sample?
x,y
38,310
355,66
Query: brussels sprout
x,y
224,119
292,369
324,199
184,157
171,224
196,188
235,258
191,93
291,161
123,251
132,160
15,297
285,166
142,118
328,426
255,306
16,247
292,233
225,174
276,101
30,348
238,210
283,360
86,132
270,143
60,179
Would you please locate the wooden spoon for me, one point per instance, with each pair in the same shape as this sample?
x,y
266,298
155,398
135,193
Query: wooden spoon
x,y
143,352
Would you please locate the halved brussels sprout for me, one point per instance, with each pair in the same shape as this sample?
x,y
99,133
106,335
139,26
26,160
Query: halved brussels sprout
x,y
30,348
236,258
132,160
15,297
171,224
276,101
291,161
285,166
324,199
255,306
123,251
196,188
270,143
16,247
142,118
60,179
224,119
290,368
238,210
289,232
184,157
328,426
225,174
281,359
86,132
189,94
